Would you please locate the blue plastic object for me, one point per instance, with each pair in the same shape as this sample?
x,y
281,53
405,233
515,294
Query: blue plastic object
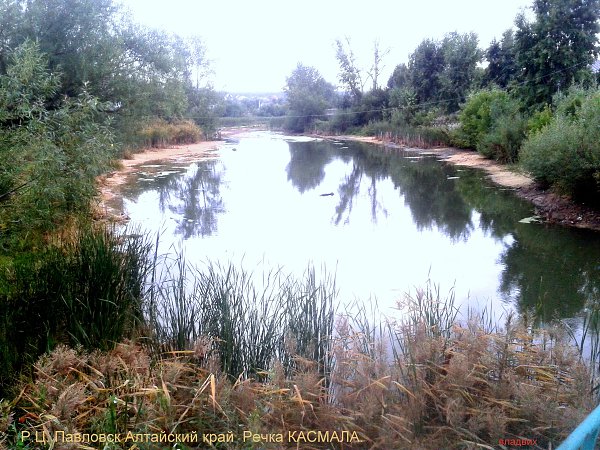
x,y
584,436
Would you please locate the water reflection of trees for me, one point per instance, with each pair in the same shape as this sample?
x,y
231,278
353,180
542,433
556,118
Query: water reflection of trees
x,y
550,270
373,170
199,202
555,271
432,198
306,169
499,209
193,198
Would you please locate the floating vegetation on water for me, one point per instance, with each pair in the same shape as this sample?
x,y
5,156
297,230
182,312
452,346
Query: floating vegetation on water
x,y
532,219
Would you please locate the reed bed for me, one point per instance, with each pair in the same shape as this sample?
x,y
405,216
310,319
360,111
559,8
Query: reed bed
x,y
251,321
425,137
160,133
233,357
86,289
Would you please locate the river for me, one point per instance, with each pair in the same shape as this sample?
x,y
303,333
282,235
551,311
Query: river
x,y
384,221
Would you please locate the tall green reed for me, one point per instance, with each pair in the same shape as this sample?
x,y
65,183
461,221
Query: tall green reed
x,y
86,290
247,322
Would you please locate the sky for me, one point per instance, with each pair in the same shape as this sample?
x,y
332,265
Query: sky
x,y
254,45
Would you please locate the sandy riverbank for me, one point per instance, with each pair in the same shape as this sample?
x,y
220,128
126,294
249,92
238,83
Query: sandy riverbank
x,y
552,207
108,200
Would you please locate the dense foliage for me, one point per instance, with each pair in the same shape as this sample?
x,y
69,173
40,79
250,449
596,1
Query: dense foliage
x,y
492,123
308,95
80,83
51,149
556,49
566,153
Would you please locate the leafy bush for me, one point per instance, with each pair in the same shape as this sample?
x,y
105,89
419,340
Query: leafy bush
x,y
539,120
503,140
490,122
475,118
50,150
566,153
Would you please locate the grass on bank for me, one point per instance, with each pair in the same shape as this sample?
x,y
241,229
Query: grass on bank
x,y
160,133
85,289
223,351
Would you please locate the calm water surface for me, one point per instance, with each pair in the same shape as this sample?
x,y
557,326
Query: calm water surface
x,y
394,220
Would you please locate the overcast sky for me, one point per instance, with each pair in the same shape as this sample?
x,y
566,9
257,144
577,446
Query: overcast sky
x,y
255,45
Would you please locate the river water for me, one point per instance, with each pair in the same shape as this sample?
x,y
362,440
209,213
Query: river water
x,y
384,221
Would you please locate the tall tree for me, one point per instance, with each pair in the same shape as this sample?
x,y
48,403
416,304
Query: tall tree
x,y
426,64
308,95
501,69
349,76
441,73
400,77
556,49
461,56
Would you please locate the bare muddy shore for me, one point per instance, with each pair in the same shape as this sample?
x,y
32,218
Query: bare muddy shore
x,y
553,208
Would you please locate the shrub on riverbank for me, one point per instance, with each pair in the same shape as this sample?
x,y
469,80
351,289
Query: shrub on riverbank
x,y
566,153
490,121
51,149
420,382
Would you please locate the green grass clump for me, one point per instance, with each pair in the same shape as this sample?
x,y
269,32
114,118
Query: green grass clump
x,y
86,291
250,323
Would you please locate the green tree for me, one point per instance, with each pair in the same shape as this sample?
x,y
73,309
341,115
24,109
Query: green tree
x,y
426,64
400,77
11,19
556,49
205,107
350,76
308,95
461,55
50,153
501,69
77,36
142,73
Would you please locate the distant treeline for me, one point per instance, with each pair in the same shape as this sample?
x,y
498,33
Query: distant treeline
x,y
531,97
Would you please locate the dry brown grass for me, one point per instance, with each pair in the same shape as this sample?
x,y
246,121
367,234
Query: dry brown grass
x,y
465,389
159,133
